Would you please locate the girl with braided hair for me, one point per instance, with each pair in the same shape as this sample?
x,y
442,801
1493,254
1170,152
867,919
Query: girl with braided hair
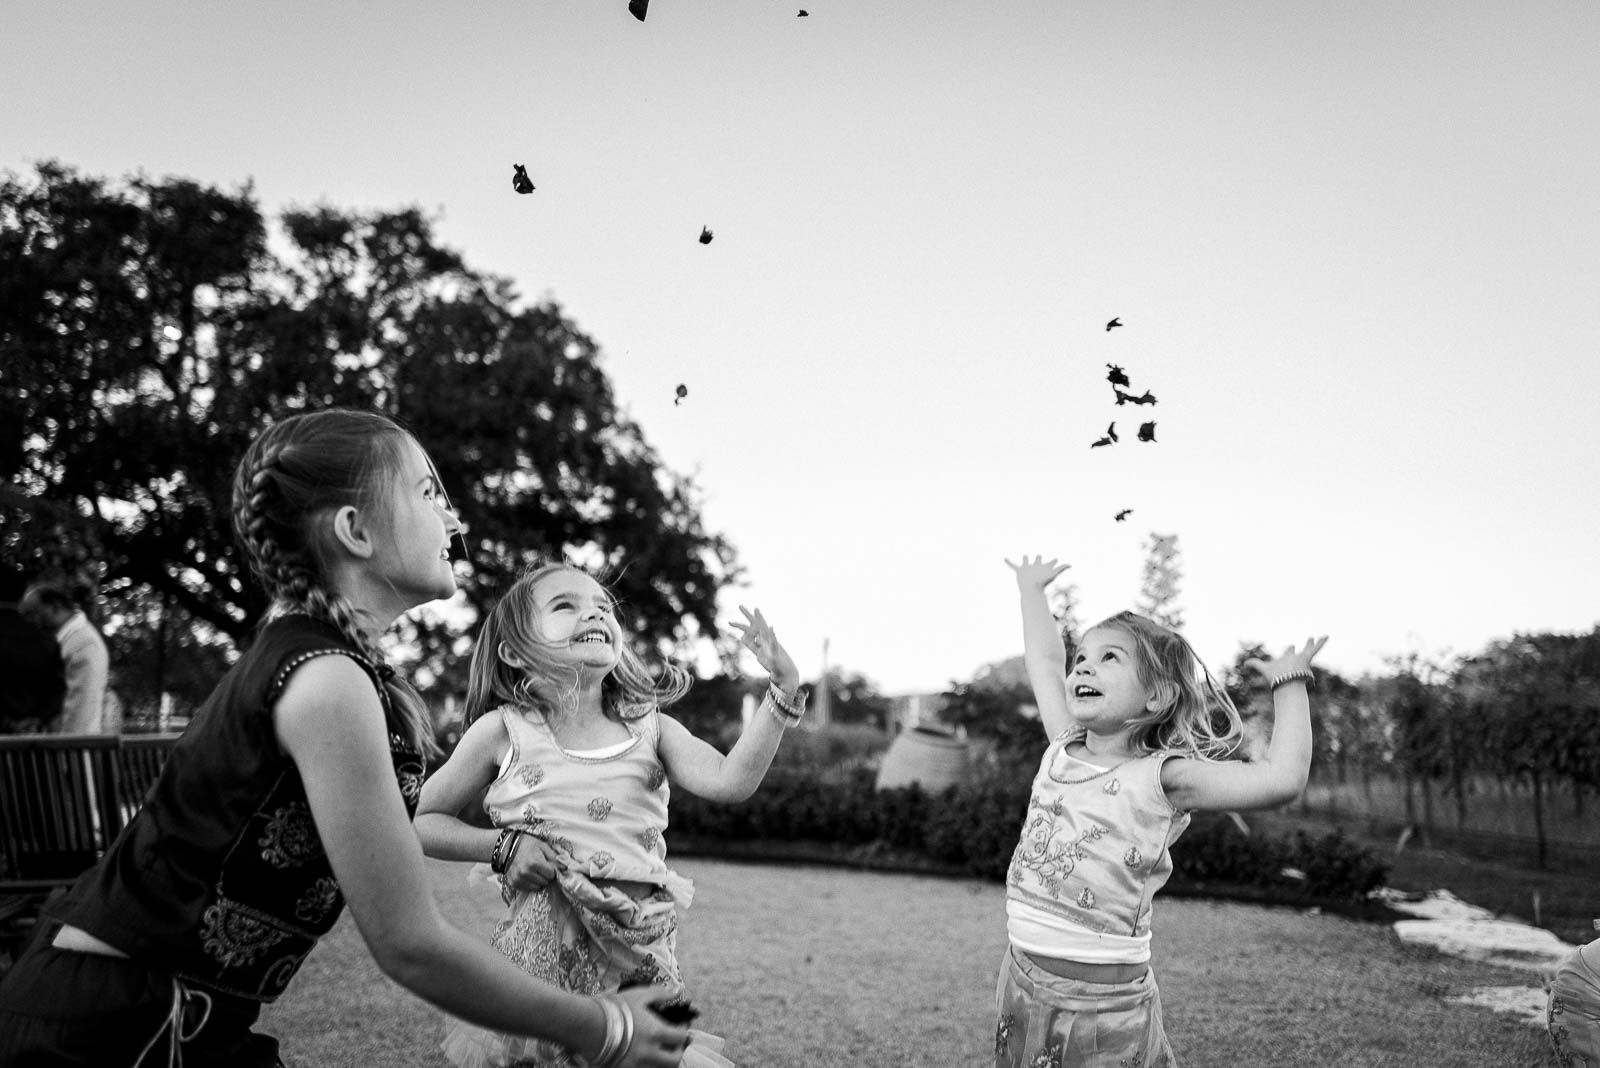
x,y
289,795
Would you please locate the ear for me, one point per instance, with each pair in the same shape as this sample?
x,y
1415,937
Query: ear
x,y
1162,695
503,651
351,530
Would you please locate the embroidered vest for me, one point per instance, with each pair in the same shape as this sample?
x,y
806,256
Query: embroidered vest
x,y
221,878
1093,849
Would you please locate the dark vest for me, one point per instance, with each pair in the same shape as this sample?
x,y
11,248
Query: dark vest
x,y
221,878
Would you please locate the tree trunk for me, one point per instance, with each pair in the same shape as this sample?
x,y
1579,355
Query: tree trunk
x,y
1427,810
1457,781
1538,816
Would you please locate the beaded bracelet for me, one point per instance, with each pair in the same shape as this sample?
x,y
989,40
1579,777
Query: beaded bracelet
x,y
787,713
1302,675
794,706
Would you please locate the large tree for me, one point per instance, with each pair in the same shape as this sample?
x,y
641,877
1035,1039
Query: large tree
x,y
147,331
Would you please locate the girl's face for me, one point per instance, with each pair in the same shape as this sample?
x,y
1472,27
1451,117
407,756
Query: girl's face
x,y
577,618
415,558
1103,687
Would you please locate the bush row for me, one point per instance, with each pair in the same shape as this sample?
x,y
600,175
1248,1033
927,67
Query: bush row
x,y
973,828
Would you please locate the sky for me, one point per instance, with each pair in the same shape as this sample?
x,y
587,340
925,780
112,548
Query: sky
x,y
1355,249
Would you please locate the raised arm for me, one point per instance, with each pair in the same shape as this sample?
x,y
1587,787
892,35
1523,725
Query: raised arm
x,y
1043,653
1234,785
697,766
330,723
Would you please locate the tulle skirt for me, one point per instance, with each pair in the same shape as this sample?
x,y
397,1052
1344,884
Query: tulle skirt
x,y
1046,1021
588,937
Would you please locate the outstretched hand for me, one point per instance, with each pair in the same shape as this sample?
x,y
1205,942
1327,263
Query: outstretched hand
x,y
1037,573
1291,659
757,635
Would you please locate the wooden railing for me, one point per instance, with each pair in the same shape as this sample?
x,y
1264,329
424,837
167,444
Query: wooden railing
x,y
63,799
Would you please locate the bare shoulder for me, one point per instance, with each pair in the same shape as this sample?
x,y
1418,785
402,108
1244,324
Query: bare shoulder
x,y
325,684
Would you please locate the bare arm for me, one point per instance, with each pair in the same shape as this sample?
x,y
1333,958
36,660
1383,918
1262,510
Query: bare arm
x,y
1043,654
459,783
1277,780
331,724
698,767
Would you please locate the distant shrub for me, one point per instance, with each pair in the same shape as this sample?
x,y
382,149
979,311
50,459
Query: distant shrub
x,y
1215,850
973,828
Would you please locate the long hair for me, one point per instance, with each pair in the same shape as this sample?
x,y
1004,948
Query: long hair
x,y
627,692
293,476
1194,715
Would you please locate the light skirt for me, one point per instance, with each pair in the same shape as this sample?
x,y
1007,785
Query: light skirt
x,y
1046,1021
586,937
1574,1013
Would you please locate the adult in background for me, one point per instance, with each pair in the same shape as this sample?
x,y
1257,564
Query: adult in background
x,y
30,664
83,656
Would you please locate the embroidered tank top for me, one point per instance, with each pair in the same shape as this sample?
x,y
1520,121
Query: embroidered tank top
x,y
607,812
1093,853
221,878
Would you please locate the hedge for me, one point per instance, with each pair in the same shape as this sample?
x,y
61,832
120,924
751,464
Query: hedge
x,y
973,829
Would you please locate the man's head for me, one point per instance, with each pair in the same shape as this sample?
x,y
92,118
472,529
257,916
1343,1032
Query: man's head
x,y
47,604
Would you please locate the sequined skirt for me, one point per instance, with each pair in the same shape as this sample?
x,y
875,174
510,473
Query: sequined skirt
x,y
587,937
1046,1021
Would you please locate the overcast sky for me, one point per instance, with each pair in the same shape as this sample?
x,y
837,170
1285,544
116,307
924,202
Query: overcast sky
x,y
1355,246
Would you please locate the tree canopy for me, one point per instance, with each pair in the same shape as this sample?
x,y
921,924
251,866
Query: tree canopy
x,y
149,328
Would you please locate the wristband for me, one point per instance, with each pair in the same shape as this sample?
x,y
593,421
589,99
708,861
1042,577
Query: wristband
x,y
1302,675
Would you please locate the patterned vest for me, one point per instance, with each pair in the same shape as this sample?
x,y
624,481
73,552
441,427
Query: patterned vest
x,y
221,878
1093,850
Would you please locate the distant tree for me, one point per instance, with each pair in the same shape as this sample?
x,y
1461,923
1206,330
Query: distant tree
x,y
146,333
854,698
1158,592
998,704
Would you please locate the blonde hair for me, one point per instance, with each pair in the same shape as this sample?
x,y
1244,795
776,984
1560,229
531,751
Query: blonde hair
x,y
628,691
1194,715
293,475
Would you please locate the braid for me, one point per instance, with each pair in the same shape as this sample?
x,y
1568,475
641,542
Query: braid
x,y
298,469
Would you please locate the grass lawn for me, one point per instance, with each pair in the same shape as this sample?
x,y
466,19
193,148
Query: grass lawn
x,y
814,967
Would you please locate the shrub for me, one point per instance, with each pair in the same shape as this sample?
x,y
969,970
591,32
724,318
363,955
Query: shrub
x,y
973,828
1215,850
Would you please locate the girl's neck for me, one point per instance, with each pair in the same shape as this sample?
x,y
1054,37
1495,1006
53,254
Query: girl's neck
x,y
1108,747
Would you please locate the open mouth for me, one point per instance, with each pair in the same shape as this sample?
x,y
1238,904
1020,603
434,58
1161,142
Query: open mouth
x,y
1082,690
592,636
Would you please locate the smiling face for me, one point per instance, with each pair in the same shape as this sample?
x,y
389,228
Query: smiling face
x,y
576,619
415,557
1103,686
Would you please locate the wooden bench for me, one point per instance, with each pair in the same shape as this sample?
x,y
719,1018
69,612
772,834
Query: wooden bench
x,y
63,799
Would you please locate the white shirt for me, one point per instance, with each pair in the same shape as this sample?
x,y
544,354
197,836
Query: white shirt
x,y
83,654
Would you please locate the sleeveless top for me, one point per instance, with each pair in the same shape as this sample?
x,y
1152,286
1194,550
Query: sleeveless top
x,y
607,812
221,879
1093,852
